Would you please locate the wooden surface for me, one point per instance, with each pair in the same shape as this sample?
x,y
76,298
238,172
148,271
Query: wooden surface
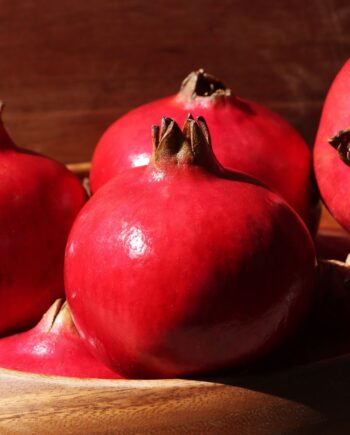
x,y
68,69
304,400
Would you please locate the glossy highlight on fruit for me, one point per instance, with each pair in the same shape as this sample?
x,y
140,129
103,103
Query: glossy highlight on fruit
x,y
331,151
246,137
52,347
39,199
182,267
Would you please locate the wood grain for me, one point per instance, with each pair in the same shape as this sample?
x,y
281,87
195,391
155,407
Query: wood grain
x,y
303,400
68,69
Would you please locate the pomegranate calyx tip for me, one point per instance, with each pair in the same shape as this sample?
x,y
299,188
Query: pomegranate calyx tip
x,y
341,142
51,314
201,84
191,145
58,317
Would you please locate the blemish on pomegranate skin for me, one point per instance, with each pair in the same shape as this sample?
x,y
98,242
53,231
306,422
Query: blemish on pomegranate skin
x,y
40,349
157,175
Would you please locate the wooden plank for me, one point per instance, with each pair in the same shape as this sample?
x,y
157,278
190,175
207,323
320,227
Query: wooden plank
x,y
69,68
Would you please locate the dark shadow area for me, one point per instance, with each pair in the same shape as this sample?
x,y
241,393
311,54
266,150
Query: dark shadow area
x,y
245,107
323,386
312,368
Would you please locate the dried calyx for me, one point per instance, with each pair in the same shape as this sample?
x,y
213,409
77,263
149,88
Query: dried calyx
x,y
58,318
191,145
200,84
341,142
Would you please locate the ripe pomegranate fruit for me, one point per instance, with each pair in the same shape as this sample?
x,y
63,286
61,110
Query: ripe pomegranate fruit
x,y
246,137
39,199
332,146
182,267
52,347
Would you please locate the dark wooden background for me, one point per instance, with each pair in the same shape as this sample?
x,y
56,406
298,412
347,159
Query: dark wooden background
x,y
69,68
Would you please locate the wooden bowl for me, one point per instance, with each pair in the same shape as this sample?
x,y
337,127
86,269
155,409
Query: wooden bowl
x,y
311,399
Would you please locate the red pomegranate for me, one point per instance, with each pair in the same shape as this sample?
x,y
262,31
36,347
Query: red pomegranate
x,y
246,137
39,199
52,347
332,146
182,267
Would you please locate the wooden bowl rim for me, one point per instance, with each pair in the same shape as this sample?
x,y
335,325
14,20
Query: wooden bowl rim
x,y
117,383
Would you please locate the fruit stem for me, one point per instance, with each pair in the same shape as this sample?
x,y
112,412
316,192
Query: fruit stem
x,y
200,84
341,142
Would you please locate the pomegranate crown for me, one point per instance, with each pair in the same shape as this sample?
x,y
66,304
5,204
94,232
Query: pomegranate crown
x,y
341,142
191,145
58,318
201,84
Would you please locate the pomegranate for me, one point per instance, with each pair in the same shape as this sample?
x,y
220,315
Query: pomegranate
x,y
52,347
332,145
182,267
246,137
39,199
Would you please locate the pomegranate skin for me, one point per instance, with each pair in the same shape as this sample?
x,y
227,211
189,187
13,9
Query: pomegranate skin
x,y
52,347
332,173
39,199
178,268
246,137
